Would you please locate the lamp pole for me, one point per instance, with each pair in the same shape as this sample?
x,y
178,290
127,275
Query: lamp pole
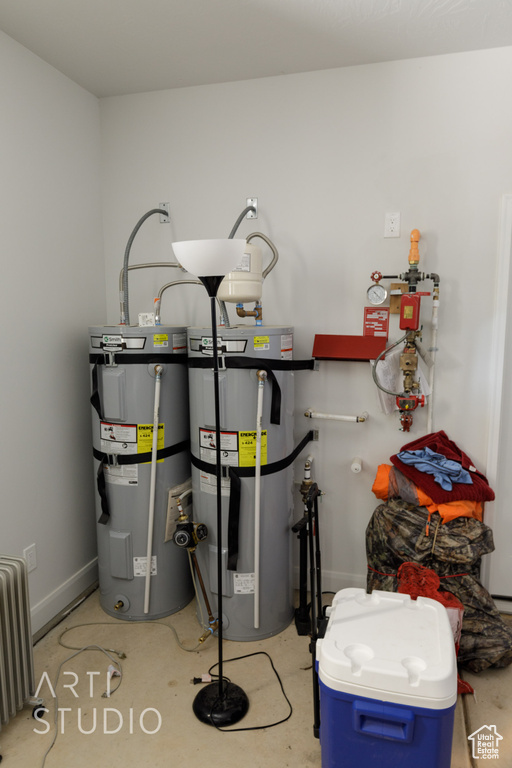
x,y
223,703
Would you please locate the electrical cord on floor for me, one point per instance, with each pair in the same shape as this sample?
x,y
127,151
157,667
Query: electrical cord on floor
x,y
254,727
56,700
107,652
121,654
118,653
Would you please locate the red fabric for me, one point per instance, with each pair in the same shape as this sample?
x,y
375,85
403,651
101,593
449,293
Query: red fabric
x,y
417,581
439,442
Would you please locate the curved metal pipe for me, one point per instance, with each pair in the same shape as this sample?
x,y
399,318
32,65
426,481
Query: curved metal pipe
x,y
275,254
140,266
374,366
125,312
240,219
222,304
158,300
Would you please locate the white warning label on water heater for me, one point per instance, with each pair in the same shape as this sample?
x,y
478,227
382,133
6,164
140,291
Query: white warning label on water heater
x,y
179,342
228,447
140,566
208,484
118,438
127,474
287,346
243,583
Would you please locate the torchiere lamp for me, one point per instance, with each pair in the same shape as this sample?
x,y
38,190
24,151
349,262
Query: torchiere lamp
x,y
223,703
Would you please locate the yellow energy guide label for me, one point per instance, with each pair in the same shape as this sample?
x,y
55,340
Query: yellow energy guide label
x,y
145,438
247,448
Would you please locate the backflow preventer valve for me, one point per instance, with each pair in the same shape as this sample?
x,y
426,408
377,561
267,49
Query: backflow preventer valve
x,y
410,398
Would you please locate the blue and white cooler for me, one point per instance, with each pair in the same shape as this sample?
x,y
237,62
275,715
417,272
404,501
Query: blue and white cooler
x,y
388,682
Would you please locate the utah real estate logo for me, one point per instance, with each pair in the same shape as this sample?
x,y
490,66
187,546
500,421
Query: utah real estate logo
x,y
485,743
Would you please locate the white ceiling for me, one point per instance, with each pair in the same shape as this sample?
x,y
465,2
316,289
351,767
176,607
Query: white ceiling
x,y
114,47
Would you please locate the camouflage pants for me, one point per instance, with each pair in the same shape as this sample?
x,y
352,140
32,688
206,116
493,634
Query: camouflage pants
x,y
397,533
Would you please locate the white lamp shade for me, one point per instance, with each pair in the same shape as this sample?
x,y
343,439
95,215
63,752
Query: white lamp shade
x,y
205,258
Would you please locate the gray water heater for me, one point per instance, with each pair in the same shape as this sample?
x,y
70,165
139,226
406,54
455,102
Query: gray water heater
x,y
123,363
243,351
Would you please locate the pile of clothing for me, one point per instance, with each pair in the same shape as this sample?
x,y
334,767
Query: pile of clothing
x,y
432,515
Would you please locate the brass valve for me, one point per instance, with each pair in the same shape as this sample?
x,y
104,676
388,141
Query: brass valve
x,y
213,628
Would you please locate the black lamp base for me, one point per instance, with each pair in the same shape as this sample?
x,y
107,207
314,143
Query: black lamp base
x,y
212,709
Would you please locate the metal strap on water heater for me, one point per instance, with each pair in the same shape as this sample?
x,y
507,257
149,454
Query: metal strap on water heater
x,y
268,365
235,475
145,358
126,359
135,458
132,458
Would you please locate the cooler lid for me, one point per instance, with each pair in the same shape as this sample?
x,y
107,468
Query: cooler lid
x,y
385,642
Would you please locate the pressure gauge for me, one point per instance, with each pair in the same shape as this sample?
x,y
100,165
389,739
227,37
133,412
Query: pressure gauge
x,y
377,294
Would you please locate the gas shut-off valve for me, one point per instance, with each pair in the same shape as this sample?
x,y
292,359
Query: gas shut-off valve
x,y
410,398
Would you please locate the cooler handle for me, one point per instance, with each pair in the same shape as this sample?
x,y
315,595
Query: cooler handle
x,y
385,722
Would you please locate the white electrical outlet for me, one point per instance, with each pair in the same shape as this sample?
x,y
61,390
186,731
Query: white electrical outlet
x,y
30,556
392,225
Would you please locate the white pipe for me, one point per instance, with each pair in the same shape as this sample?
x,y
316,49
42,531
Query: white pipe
x,y
432,350
151,513
262,375
311,414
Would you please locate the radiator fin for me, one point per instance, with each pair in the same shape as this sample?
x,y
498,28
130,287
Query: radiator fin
x,y
16,653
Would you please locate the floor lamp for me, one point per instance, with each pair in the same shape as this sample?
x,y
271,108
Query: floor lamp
x,y
220,703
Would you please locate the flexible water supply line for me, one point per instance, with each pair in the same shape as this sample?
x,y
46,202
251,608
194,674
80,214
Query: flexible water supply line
x,y
152,486
379,357
125,311
158,301
275,254
224,317
262,377
139,266
246,210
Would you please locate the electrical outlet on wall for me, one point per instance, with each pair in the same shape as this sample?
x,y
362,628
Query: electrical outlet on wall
x,y
29,553
392,225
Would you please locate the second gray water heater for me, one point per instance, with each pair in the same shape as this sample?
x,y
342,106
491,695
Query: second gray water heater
x,y
243,350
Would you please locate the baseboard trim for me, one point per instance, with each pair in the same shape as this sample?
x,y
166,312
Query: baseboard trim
x,y
333,581
57,601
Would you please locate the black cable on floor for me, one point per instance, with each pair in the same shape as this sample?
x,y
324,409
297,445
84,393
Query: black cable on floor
x,y
254,727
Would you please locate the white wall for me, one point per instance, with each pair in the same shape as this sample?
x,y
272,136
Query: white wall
x,y
327,154
52,288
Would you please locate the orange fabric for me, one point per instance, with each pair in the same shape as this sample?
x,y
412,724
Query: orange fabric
x,y
448,511
461,508
380,485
